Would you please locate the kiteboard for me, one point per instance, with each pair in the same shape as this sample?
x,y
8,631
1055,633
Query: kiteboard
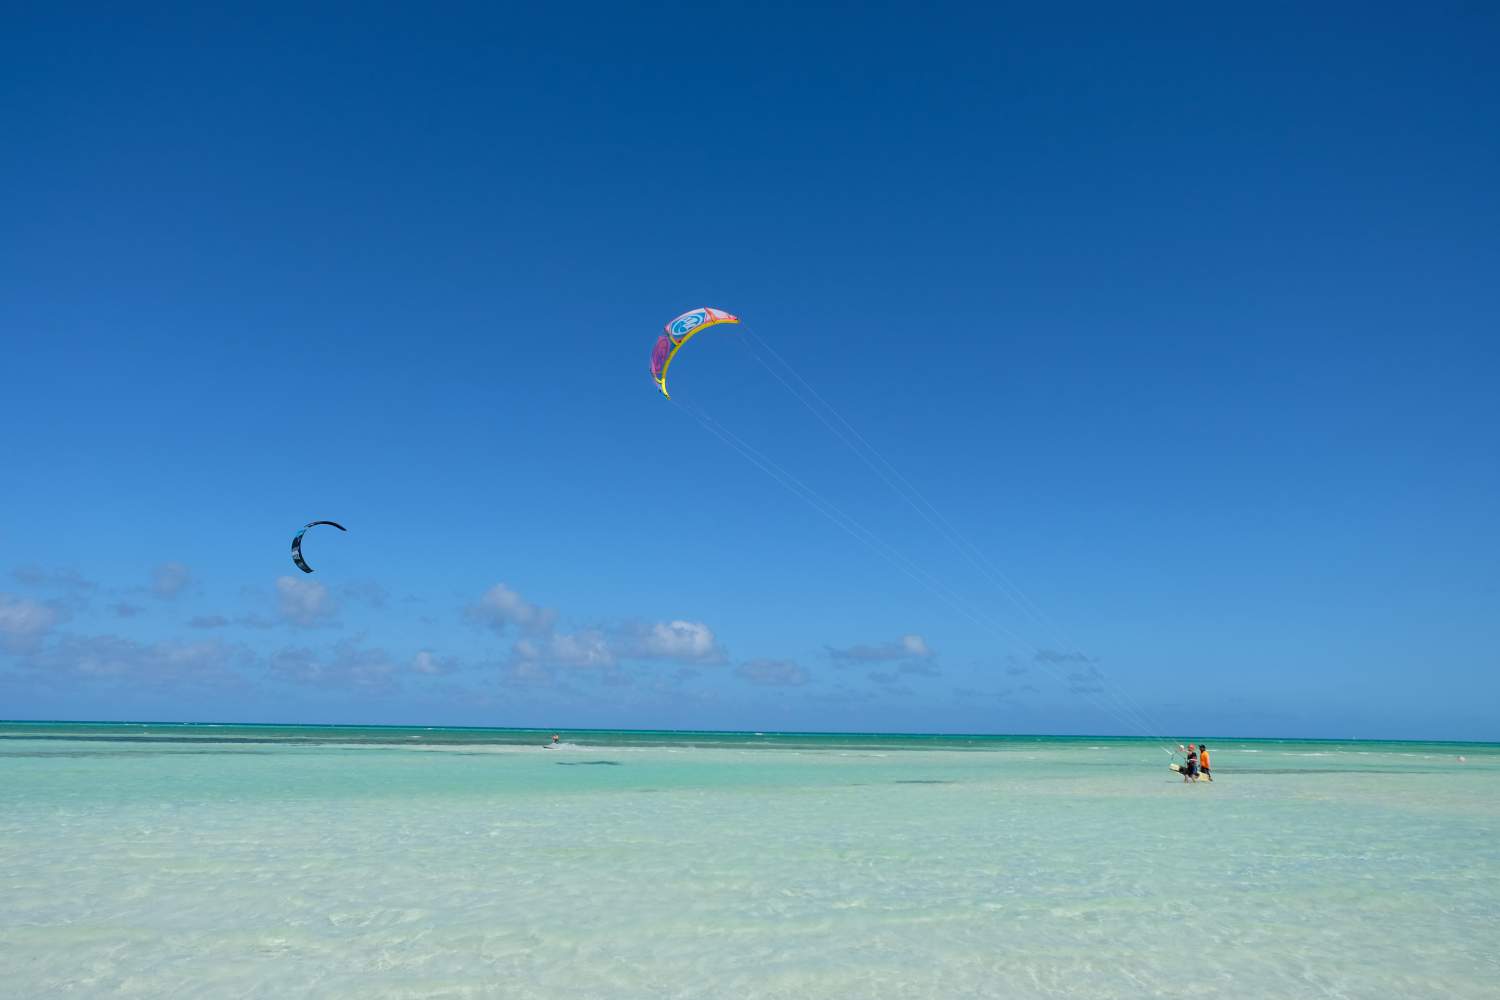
x,y
1182,769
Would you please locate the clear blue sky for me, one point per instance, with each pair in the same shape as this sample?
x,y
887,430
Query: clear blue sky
x,y
1186,318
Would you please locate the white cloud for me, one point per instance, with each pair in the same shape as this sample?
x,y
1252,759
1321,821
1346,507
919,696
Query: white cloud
x,y
927,668
915,646
349,666
295,663
908,647
771,673
24,622
193,660
501,607
680,641
588,648
842,694
542,653
1086,681
57,579
169,579
428,662
528,673
1060,656
112,658
581,649
974,694
605,648
366,592
303,602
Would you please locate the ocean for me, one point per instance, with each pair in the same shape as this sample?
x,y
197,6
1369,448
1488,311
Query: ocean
x,y
161,860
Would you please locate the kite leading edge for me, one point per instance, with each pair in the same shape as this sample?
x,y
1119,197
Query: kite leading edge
x,y
679,332
297,543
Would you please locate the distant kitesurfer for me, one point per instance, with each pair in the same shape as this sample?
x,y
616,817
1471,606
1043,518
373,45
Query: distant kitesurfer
x,y
1203,762
1190,769
555,739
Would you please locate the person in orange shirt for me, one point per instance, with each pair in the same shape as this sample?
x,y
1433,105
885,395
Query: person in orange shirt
x,y
1203,762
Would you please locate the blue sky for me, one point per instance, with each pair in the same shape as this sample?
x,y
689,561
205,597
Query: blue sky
x,y
1186,322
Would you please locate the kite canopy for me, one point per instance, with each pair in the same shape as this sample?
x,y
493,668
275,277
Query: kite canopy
x,y
679,332
297,543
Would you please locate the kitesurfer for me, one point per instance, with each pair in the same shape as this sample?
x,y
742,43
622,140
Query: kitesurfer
x,y
1190,769
1203,762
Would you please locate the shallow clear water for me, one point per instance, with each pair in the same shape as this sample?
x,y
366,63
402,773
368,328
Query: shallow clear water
x,y
277,861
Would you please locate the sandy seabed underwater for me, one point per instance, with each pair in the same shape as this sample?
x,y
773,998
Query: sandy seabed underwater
x,y
172,861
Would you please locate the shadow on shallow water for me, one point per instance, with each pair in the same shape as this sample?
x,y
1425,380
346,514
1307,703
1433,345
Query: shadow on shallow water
x,y
588,763
1327,770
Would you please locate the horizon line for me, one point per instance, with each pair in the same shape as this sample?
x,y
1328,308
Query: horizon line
x,y
730,732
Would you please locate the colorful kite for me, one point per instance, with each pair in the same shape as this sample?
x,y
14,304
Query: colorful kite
x,y
297,543
679,332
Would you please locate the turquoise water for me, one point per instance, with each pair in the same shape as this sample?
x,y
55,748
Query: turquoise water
x,y
266,861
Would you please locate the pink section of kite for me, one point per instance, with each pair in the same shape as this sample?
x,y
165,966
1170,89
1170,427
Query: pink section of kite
x,y
677,333
659,355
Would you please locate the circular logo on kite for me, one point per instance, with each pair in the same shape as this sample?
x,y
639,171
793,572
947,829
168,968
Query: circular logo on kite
x,y
688,322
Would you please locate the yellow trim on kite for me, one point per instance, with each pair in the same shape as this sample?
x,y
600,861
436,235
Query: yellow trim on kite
x,y
661,380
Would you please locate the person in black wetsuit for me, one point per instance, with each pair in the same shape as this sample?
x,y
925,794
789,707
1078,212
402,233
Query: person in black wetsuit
x,y
1190,769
